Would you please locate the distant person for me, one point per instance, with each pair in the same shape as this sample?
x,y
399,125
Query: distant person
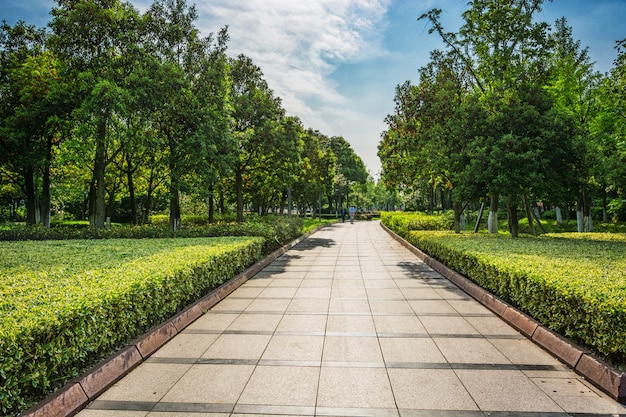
x,y
352,213
343,215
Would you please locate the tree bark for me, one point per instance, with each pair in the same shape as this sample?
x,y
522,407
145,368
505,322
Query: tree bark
x,y
211,205
511,207
492,221
45,196
29,190
479,218
97,215
239,190
174,208
131,190
529,214
458,211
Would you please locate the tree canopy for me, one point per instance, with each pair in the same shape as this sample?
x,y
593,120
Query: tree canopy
x,y
110,114
511,110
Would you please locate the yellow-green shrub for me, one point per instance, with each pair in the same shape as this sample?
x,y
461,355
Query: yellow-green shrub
x,y
573,283
66,304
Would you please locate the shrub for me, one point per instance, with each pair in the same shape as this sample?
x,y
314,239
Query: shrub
x,y
404,222
573,283
66,305
277,231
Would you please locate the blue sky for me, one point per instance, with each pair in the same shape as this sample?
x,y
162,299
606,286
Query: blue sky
x,y
336,63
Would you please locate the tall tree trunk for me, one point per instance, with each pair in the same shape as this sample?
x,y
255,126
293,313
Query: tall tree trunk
x,y
131,190
480,216
211,205
529,214
109,209
239,190
97,216
31,200
583,212
45,196
175,220
511,208
492,221
174,208
148,202
559,215
221,203
605,215
458,211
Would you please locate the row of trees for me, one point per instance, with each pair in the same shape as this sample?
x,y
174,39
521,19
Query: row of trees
x,y
110,105
511,111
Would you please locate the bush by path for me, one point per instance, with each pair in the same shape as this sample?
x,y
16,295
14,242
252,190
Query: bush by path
x,y
65,305
571,282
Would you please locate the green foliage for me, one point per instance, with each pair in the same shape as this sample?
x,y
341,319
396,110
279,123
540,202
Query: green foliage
x,y
573,283
404,222
66,304
277,230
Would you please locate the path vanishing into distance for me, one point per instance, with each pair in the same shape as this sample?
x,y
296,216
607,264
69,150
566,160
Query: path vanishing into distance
x,y
350,323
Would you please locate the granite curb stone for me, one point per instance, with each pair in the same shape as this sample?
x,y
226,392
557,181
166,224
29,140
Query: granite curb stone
x,y
65,402
110,371
610,380
75,395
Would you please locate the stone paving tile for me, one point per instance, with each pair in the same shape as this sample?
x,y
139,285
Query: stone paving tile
x,y
430,389
147,383
311,324
267,305
294,348
207,383
353,388
447,325
313,306
475,351
350,323
186,345
258,322
506,390
282,385
410,350
238,346
423,307
409,325
352,349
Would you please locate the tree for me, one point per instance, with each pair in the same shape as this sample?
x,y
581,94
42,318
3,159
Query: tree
x,y
32,109
505,53
95,39
191,85
574,88
316,175
256,116
350,169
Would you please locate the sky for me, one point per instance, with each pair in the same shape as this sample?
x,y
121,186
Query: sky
x,y
336,63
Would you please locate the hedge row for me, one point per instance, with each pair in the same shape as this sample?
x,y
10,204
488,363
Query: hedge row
x,y
404,222
65,305
277,230
571,282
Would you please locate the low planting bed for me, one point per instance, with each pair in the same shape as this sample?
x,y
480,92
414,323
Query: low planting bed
x,y
573,283
65,305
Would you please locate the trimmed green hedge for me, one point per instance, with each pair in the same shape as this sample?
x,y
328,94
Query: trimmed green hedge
x,y
65,305
404,222
277,230
574,283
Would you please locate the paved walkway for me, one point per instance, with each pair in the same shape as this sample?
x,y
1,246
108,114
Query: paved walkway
x,y
350,323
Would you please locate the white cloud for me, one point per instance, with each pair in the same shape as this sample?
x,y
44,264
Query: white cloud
x,y
298,44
